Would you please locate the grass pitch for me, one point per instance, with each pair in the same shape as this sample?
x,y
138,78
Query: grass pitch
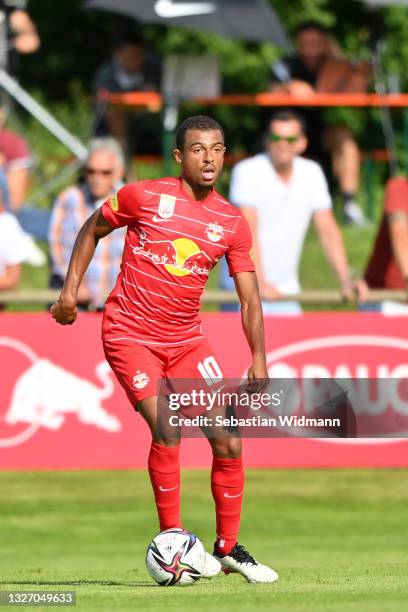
x,y
338,539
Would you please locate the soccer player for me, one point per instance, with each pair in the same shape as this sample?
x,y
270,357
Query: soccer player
x,y
178,228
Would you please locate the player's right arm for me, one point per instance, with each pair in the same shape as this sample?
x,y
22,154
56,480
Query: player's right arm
x,y
96,227
119,210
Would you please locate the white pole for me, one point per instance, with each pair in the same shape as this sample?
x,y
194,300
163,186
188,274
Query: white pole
x,y
42,115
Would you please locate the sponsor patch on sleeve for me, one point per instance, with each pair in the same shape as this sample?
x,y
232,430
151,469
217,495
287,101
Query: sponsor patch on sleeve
x,y
113,203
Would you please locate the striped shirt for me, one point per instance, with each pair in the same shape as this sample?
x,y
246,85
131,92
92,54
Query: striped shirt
x,y
71,209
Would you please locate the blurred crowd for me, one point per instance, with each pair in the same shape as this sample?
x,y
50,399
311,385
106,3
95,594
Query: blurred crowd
x,y
281,189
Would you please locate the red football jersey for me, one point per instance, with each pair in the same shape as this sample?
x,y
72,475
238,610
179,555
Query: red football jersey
x,y
172,242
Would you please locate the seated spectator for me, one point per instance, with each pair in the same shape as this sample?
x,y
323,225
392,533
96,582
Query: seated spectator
x,y
318,66
11,254
104,171
16,247
22,32
388,264
279,192
15,160
15,165
130,69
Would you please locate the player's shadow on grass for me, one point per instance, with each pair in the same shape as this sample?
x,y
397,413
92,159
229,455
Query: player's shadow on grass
x,y
131,583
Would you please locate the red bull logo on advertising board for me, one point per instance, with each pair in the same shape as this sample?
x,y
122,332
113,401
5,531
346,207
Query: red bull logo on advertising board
x,y
42,394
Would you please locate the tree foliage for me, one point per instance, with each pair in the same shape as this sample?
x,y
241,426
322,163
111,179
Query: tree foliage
x,y
75,41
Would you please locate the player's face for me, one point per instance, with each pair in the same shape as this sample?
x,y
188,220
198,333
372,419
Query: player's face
x,y
312,47
285,141
202,156
102,174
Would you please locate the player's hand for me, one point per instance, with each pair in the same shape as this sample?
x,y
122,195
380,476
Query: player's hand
x,y
64,311
257,375
352,289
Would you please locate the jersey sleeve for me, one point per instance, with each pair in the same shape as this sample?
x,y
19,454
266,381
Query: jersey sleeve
x,y
124,207
395,196
239,253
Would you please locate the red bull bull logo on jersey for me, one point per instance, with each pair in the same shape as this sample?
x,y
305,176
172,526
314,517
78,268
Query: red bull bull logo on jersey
x,y
140,380
214,232
180,257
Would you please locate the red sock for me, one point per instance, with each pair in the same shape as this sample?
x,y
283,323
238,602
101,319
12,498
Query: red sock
x,y
227,485
164,471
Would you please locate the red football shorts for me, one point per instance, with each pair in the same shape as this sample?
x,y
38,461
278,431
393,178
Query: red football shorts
x,y
139,368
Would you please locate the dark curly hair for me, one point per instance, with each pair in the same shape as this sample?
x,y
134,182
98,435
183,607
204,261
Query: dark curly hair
x,y
197,122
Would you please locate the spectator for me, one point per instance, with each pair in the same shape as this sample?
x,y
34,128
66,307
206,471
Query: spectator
x,y
18,33
279,192
24,35
388,264
15,160
11,255
317,65
130,69
16,247
104,172
15,165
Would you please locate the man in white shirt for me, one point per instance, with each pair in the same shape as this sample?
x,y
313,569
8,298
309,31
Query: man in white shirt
x,y
279,192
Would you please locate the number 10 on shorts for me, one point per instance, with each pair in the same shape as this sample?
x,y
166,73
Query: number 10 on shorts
x,y
210,370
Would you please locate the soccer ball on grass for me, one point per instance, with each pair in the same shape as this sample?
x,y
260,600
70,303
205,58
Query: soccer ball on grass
x,y
175,557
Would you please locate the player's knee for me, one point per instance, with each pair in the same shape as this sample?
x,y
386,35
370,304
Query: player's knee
x,y
227,448
169,442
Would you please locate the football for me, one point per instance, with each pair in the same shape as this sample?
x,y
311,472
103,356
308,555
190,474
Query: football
x,y
175,557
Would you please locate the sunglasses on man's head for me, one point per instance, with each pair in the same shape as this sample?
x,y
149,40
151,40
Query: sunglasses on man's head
x,y
276,138
93,171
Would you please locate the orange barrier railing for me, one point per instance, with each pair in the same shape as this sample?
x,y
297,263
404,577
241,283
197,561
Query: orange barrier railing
x,y
154,101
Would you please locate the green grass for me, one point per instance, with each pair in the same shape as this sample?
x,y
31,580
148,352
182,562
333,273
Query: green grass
x,y
336,537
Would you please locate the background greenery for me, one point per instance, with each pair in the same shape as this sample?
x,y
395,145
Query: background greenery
x,y
75,41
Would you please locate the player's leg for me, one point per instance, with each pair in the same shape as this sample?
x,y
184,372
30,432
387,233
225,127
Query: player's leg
x,y
227,487
197,361
227,473
138,368
227,484
164,467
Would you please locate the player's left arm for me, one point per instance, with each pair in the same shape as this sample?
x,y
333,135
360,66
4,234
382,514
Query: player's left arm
x,y
252,322
241,266
117,211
